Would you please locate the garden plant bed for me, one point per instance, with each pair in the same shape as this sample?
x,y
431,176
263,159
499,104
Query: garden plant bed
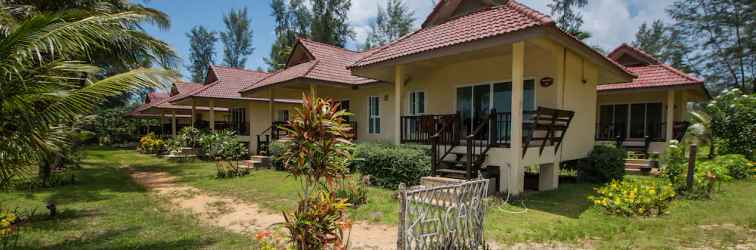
x,y
107,209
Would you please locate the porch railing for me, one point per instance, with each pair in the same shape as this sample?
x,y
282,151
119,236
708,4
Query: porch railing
x,y
656,132
419,129
444,140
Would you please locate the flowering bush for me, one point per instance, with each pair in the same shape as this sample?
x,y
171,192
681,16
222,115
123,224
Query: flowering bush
x,y
634,197
226,151
272,240
8,233
733,122
150,144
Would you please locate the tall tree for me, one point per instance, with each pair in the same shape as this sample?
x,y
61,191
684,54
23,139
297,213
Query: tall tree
x,y
722,33
50,78
237,38
391,23
330,21
568,18
287,24
665,43
201,52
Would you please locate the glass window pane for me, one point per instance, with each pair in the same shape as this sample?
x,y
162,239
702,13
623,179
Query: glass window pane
x,y
606,118
421,103
637,120
654,120
529,96
502,97
620,120
464,106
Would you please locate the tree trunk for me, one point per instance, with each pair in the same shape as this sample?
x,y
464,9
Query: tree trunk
x,y
45,170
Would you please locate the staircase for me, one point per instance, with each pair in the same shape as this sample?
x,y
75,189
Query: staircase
x,y
640,166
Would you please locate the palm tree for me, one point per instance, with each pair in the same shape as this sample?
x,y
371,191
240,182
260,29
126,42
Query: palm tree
x,y
700,131
48,76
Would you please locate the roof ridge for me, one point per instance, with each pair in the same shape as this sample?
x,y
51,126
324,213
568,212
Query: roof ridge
x,y
530,12
329,45
637,50
181,96
232,68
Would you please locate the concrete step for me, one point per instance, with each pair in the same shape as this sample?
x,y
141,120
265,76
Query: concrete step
x,y
637,166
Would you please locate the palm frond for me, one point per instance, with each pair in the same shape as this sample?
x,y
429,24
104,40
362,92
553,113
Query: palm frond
x,y
84,100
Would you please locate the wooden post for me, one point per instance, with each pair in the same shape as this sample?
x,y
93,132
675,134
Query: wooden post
x,y
212,115
194,112
402,215
692,165
669,129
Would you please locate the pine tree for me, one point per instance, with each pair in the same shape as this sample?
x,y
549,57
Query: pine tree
x,y
201,52
330,22
664,43
237,38
393,22
292,21
722,31
569,19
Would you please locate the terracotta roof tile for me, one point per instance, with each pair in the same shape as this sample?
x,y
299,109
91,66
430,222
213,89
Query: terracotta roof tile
x,y
329,65
229,82
485,23
654,76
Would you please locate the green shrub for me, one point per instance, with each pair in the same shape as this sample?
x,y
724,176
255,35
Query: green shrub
x,y
223,148
707,180
9,233
189,137
674,165
277,149
389,165
738,167
354,192
733,122
605,163
633,197
173,146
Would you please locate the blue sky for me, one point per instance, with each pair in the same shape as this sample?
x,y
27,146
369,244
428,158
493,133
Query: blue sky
x,y
611,22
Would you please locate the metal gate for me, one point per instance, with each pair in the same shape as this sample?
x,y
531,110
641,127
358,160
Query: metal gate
x,y
443,217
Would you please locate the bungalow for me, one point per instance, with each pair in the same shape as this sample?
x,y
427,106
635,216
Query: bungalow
x,y
221,92
172,117
645,113
491,87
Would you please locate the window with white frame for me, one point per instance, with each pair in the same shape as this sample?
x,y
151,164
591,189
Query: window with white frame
x,y
416,103
374,118
283,116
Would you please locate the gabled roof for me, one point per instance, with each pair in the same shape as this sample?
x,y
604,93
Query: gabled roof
x,y
226,84
490,21
630,56
485,23
328,64
162,100
652,73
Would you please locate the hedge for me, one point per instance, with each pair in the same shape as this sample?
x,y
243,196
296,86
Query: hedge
x,y
389,165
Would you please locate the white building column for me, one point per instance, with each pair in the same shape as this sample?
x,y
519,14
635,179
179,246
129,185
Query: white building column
x,y
212,115
173,123
313,90
252,136
162,123
194,112
397,104
549,173
670,115
515,175
272,107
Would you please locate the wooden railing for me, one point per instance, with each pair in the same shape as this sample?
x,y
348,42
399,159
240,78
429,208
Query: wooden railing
x,y
479,142
419,129
444,140
656,132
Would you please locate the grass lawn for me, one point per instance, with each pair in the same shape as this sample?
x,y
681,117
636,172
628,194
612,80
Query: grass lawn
x,y
106,210
107,207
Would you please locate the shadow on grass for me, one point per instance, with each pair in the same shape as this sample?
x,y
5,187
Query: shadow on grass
x,y
570,200
106,238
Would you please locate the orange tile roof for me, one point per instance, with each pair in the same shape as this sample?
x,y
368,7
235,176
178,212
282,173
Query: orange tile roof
x,y
654,75
228,82
329,65
484,23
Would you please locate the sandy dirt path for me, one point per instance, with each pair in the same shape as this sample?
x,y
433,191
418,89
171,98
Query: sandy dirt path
x,y
246,217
